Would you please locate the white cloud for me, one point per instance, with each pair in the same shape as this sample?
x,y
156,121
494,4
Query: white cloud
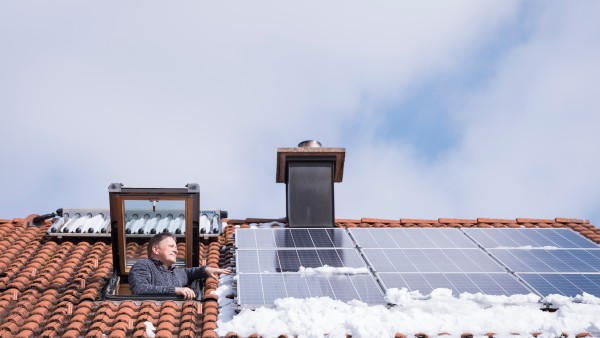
x,y
159,95
529,137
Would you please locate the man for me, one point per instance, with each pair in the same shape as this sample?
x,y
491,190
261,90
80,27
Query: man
x,y
157,275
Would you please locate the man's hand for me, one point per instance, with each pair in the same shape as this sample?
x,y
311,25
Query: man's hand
x,y
213,272
187,293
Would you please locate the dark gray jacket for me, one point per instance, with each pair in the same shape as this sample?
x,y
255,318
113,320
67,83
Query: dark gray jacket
x,y
148,276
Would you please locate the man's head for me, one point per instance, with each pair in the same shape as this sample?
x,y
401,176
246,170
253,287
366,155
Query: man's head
x,y
163,247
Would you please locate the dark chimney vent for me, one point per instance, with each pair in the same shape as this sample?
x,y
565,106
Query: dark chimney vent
x,y
309,172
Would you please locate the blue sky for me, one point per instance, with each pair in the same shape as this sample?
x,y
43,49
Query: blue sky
x,y
463,109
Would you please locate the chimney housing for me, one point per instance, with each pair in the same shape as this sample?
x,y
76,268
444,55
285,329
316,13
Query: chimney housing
x,y
309,172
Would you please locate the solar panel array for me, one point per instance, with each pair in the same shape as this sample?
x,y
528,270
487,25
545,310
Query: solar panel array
x,y
551,261
268,263
491,261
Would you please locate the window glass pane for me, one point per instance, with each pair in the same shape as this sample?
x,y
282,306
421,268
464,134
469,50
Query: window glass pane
x,y
144,218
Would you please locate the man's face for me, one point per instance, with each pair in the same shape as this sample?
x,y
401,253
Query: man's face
x,y
166,251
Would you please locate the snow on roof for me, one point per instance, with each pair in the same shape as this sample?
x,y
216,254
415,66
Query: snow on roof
x,y
410,313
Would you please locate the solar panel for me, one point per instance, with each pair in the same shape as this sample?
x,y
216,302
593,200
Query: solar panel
x,y
540,260
269,261
263,289
564,284
292,238
491,284
462,260
529,237
431,260
411,238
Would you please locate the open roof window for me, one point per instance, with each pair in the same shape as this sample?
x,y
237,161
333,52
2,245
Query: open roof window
x,y
139,213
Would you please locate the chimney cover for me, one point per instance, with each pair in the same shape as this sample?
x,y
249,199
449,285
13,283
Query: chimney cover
x,y
309,144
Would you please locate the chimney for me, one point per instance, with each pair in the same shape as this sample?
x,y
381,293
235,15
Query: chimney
x,y
309,172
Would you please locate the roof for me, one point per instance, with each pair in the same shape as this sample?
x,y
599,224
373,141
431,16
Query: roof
x,y
50,287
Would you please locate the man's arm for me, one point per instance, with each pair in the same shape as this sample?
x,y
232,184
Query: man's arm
x,y
195,273
140,276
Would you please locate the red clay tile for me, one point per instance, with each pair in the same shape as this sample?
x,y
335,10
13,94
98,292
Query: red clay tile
x,y
189,325
77,326
209,326
117,334
15,318
568,220
167,318
379,220
210,318
187,333
139,333
496,220
416,221
49,334
534,220
213,334
35,319
456,220
95,333
53,325
127,311
10,326
26,333
164,334
120,326
211,310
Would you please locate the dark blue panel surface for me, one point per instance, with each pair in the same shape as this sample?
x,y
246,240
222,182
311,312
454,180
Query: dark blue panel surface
x,y
491,284
269,261
431,260
411,238
564,284
529,237
540,260
292,238
263,289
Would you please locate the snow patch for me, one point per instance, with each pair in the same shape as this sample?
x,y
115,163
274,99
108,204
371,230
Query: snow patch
x,y
413,312
330,270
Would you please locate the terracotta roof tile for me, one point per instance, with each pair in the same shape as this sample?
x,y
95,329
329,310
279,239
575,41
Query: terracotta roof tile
x,y
209,326
417,221
534,220
95,333
187,333
117,334
457,220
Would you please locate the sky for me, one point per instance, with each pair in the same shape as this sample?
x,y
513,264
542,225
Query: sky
x,y
455,109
